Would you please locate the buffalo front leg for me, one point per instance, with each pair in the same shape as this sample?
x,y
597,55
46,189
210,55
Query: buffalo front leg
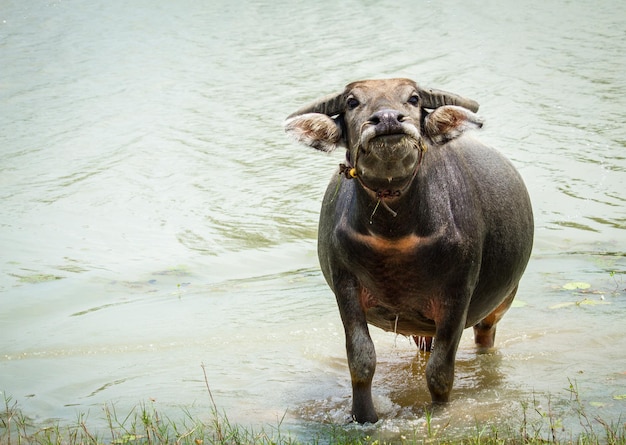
x,y
361,354
362,364
440,366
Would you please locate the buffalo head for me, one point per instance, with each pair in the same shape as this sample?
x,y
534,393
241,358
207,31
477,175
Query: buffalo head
x,y
386,125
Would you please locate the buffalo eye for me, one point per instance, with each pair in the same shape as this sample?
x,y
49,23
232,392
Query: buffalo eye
x,y
352,103
414,100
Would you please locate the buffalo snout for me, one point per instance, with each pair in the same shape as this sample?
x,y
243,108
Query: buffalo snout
x,y
387,121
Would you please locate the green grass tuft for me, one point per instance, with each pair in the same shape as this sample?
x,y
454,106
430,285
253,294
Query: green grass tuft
x,y
539,424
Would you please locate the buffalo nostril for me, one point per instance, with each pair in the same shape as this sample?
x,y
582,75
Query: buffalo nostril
x,y
386,117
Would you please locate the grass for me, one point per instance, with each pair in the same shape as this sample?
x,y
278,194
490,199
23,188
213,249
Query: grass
x,y
144,425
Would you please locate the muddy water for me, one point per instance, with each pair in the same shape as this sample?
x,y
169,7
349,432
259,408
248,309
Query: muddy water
x,y
154,218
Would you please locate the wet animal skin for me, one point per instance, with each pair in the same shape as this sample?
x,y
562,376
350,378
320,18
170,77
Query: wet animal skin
x,y
424,232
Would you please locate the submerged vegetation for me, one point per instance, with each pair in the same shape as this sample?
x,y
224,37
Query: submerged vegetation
x,y
144,425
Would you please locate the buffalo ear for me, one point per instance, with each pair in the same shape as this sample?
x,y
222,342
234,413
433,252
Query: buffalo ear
x,y
449,122
315,130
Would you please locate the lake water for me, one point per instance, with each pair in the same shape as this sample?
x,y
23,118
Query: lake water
x,y
154,218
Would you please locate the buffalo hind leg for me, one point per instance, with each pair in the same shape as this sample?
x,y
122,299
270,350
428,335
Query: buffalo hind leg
x,y
485,330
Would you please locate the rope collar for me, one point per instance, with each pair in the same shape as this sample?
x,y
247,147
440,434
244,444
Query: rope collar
x,y
350,172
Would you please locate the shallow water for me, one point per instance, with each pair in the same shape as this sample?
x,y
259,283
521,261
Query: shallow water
x,y
155,218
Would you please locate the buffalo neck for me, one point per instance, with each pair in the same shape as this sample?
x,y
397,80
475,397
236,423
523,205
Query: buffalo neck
x,y
388,217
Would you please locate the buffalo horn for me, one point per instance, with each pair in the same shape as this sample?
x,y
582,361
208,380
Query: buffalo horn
x,y
329,105
433,98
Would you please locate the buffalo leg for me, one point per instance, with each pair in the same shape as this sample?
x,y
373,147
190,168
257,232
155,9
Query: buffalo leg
x,y
361,355
440,366
362,364
485,330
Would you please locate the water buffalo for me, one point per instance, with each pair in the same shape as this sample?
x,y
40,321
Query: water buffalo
x,y
424,232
